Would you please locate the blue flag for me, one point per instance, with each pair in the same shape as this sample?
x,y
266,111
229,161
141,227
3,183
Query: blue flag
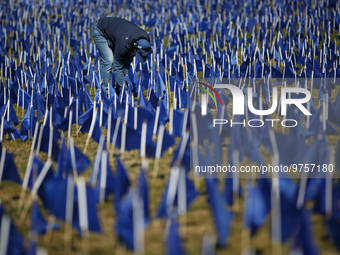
x,y
122,183
39,223
126,221
64,161
15,243
173,241
257,204
11,130
28,123
222,217
304,240
57,192
10,171
144,194
191,195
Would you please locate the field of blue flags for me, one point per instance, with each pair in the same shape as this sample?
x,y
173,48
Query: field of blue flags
x,y
82,172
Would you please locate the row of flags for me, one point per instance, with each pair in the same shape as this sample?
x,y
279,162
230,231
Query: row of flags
x,y
49,69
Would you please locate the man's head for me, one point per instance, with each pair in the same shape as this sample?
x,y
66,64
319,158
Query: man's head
x,y
142,50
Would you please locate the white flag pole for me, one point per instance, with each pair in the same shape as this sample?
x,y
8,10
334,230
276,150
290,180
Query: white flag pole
x,y
83,214
70,125
103,176
4,233
69,211
275,200
35,188
28,170
2,162
143,140
158,150
236,180
97,160
108,136
138,223
156,120
115,134
123,140
94,117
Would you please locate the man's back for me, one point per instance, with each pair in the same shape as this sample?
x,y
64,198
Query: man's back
x,y
122,33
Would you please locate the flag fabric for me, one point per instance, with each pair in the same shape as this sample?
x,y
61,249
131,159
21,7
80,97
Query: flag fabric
x,y
97,131
28,124
222,217
82,161
304,240
174,242
257,204
9,171
46,139
125,220
191,195
24,98
144,194
63,161
129,224
11,130
12,115
122,184
39,223
15,242
228,191
34,172
57,192
110,180
178,115
290,214
85,120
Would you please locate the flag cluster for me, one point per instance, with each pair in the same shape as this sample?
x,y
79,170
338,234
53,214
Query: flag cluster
x,y
50,69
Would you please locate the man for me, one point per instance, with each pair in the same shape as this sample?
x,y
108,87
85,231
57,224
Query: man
x,y
118,41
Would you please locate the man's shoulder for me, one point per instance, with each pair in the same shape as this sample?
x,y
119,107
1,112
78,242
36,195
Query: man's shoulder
x,y
114,20
110,18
